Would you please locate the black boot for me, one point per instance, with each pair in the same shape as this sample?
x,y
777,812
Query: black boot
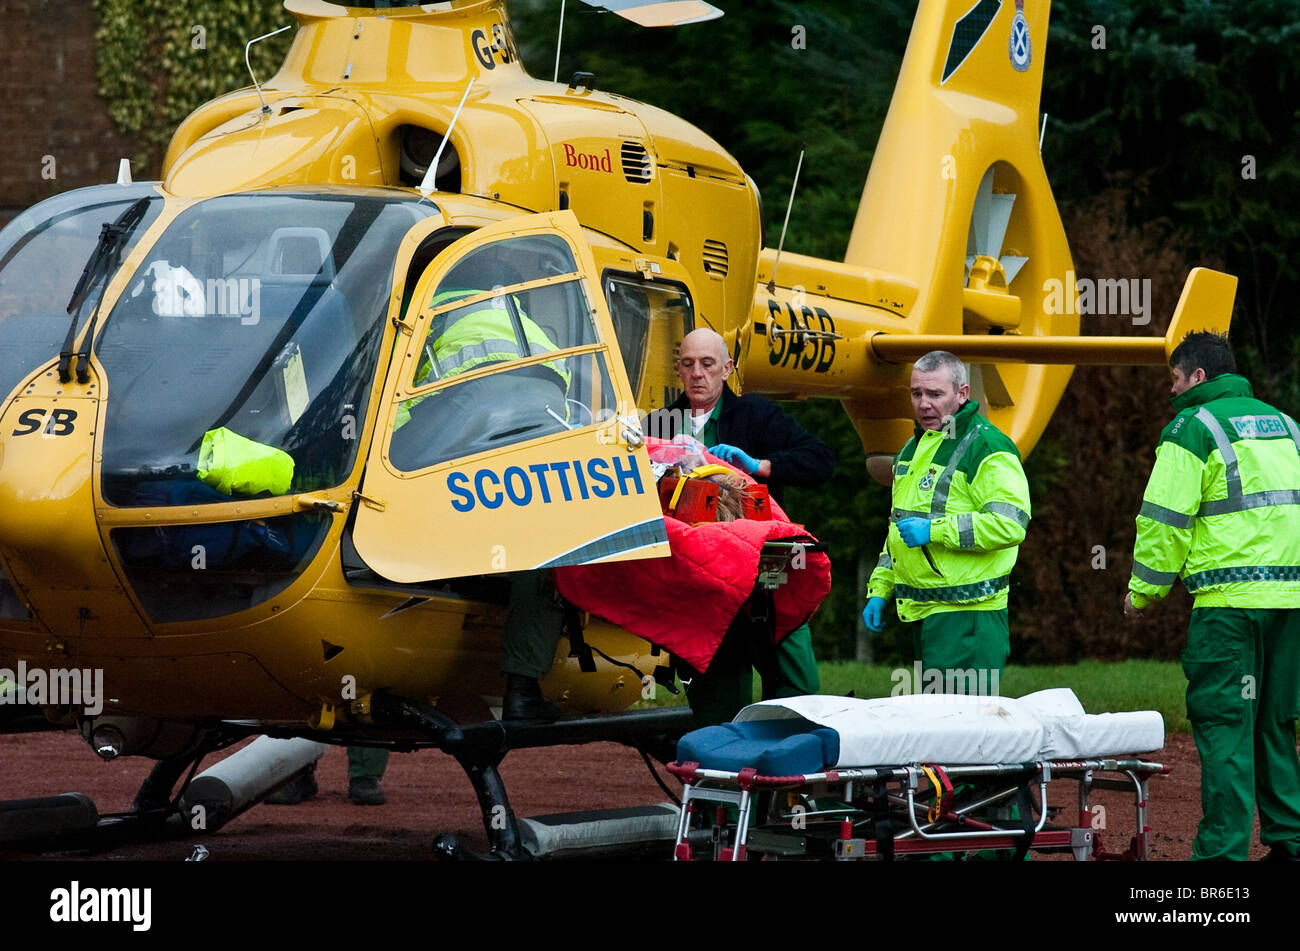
x,y
524,701
365,791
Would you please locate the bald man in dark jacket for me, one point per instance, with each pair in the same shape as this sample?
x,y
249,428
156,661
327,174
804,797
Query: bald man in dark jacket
x,y
753,434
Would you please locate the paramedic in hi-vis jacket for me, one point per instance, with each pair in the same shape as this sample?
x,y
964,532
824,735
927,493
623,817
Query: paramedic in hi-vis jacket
x,y
959,513
1222,509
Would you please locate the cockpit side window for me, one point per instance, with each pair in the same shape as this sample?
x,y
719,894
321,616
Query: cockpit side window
x,y
650,318
508,304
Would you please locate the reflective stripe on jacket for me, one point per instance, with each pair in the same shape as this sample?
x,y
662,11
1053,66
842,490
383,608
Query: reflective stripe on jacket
x,y
1222,506
485,334
968,481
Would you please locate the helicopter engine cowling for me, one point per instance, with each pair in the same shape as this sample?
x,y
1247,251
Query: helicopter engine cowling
x,y
305,139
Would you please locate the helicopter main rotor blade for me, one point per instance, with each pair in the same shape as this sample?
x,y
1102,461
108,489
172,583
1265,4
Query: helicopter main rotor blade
x,y
659,12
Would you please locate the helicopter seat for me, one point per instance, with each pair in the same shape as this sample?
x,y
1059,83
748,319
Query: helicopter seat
x,y
297,255
548,311
298,264
479,415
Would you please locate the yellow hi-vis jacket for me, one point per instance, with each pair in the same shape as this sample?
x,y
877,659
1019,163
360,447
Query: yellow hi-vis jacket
x,y
967,480
485,334
1222,506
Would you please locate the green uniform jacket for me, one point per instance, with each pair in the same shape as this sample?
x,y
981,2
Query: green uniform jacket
x,y
967,480
1222,507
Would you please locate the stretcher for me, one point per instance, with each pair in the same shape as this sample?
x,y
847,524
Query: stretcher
x,y
911,776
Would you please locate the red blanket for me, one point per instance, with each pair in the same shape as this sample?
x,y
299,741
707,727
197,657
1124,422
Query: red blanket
x,y
685,603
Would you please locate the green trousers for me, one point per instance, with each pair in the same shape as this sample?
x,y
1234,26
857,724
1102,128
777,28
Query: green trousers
x,y
533,625
966,651
1243,696
717,696
965,647
366,761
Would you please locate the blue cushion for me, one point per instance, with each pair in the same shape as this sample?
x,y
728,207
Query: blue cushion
x,y
773,747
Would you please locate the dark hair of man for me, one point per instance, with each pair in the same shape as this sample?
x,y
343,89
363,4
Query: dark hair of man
x,y
1204,350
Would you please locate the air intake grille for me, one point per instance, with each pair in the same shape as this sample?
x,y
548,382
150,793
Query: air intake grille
x,y
637,166
715,258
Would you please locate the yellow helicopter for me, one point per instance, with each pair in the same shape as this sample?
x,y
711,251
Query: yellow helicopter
x,y
272,298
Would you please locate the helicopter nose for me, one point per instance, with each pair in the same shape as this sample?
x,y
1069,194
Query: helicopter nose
x,y
49,533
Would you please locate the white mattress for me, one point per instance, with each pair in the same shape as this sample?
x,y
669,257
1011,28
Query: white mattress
x,y
960,730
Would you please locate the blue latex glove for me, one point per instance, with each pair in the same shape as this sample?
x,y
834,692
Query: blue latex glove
x,y
873,615
915,531
736,457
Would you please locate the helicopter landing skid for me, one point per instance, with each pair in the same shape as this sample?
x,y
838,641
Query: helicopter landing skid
x,y
71,821
498,818
480,748
154,813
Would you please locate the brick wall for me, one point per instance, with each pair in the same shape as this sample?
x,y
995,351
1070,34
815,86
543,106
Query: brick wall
x,y
50,105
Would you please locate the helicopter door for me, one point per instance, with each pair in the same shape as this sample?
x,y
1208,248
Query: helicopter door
x,y
499,446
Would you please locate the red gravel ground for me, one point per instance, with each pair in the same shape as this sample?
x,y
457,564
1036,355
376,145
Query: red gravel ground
x,y
428,793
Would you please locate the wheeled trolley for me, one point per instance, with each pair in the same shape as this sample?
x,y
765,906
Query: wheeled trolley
x,y
889,812
976,784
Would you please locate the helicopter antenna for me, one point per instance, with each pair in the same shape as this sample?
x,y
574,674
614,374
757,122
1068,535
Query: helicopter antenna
x,y
771,283
248,46
1042,132
559,41
431,175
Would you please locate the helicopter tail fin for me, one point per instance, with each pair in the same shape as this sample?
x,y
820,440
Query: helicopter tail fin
x,y
957,185
1205,304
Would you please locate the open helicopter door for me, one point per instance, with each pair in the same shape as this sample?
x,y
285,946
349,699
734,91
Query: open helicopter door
x,y
498,445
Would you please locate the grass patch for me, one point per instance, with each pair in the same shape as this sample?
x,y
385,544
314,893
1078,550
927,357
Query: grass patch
x,y
1101,687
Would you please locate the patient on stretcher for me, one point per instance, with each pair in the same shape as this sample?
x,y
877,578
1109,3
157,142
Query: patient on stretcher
x,y
715,568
